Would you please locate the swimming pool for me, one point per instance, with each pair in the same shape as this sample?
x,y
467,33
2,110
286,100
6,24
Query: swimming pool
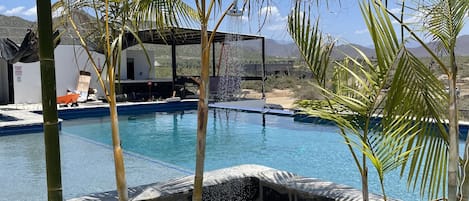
x,y
87,167
235,138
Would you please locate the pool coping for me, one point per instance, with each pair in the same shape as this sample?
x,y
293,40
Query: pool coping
x,y
305,118
27,122
30,119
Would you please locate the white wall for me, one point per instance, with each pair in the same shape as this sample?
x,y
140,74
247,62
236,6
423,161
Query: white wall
x,y
69,60
27,82
143,70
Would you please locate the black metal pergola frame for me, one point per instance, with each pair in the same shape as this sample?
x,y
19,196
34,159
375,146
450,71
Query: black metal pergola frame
x,y
187,36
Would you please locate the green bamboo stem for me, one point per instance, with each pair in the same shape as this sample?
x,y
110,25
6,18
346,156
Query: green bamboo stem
x,y
49,101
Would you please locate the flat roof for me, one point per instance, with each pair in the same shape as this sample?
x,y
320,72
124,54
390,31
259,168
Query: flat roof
x,y
186,36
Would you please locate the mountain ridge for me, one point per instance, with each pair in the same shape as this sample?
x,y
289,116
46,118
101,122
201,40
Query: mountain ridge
x,y
14,27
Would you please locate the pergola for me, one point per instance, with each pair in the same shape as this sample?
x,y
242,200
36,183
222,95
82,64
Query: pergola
x,y
188,36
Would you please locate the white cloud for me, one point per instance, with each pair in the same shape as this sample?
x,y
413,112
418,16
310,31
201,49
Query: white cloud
x,y
2,8
31,11
15,11
20,11
361,31
274,19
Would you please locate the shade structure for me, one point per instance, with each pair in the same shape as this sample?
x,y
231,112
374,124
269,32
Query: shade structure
x,y
176,36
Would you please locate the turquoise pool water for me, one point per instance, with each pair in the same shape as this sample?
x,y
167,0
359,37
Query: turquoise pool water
x,y
87,167
235,138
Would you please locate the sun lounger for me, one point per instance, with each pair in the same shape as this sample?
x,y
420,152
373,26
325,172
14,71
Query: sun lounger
x,y
68,99
83,86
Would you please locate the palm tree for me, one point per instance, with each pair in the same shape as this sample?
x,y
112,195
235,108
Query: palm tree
x,y
113,21
443,22
410,127
49,104
204,11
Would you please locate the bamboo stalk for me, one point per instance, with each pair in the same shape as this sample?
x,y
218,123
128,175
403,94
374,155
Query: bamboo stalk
x,y
49,101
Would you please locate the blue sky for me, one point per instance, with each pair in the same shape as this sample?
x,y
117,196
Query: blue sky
x,y
342,21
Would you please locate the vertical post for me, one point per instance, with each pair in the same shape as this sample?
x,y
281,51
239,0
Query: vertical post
x,y
173,59
49,100
263,68
11,88
213,59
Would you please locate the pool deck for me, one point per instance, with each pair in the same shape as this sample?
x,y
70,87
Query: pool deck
x,y
29,117
27,122
258,106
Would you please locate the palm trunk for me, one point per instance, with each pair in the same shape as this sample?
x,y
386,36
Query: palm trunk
x,y
465,174
364,175
118,156
49,101
202,114
117,150
453,134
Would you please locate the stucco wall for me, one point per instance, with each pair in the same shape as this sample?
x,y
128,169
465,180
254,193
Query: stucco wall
x,y
143,70
69,60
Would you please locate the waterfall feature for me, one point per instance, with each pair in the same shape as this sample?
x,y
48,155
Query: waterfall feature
x,y
230,66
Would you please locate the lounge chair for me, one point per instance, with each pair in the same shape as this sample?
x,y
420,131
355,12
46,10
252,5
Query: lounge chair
x,y
83,86
65,100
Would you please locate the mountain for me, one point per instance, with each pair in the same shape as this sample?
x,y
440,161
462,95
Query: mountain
x,y
274,48
14,28
462,47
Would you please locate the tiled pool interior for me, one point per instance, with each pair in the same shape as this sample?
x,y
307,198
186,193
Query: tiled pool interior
x,y
86,167
235,138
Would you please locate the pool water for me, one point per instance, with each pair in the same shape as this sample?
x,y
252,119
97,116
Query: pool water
x,y
235,138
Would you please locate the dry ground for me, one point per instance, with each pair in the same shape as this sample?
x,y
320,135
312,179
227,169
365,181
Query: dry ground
x,y
285,98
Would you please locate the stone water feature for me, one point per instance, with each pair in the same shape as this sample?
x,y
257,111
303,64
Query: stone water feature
x,y
242,183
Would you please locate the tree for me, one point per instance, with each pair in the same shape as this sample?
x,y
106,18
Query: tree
x,y
204,10
49,104
113,22
443,22
410,127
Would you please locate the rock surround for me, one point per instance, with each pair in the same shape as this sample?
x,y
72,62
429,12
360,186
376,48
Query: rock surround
x,y
242,183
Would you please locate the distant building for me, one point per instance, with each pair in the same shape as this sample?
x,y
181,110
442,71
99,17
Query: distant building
x,y
272,68
275,68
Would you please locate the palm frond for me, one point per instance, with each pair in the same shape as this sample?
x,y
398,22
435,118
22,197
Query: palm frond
x,y
411,133
161,14
418,90
315,49
444,20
